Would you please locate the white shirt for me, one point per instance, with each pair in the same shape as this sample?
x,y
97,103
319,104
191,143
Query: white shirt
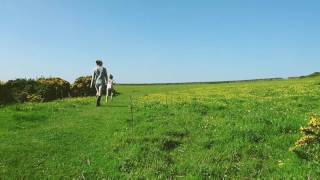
x,y
110,84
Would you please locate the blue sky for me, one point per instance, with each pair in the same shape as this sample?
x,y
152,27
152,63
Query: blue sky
x,y
160,40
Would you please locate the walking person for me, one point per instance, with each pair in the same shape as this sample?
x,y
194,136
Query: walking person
x,y
110,89
100,78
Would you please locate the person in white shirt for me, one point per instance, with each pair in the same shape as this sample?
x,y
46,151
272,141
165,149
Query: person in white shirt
x,y
110,87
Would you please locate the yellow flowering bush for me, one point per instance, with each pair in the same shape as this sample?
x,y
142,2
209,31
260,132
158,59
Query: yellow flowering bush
x,y
53,88
81,87
34,98
19,89
308,145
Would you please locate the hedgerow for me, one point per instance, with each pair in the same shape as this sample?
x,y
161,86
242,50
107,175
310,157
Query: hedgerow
x,y
5,94
43,89
20,89
81,87
53,88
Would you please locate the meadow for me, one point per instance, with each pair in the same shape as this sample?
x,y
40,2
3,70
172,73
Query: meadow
x,y
199,131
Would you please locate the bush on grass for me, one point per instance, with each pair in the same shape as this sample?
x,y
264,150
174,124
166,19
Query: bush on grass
x,y
81,87
6,96
20,89
53,88
308,146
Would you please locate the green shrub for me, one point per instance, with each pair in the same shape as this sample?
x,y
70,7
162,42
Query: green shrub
x,y
81,87
6,96
21,88
43,89
53,88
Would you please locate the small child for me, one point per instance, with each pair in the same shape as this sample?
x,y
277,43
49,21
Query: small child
x,y
110,87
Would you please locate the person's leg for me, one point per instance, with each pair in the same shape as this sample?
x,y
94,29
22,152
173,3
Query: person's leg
x,y
99,88
97,92
100,93
107,95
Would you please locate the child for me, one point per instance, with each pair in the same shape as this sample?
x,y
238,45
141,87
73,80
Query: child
x,y
110,87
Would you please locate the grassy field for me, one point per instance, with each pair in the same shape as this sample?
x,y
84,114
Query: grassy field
x,y
235,130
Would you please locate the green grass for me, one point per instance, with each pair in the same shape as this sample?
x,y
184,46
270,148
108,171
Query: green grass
x,y
236,130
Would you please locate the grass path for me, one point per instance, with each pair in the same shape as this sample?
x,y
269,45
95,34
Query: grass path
x,y
69,138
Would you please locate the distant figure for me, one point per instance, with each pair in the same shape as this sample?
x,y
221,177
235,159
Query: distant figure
x,y
101,78
110,88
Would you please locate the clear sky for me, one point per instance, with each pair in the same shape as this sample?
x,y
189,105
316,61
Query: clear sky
x,y
160,40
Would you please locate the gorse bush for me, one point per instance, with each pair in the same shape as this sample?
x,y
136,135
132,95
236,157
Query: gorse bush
x,y
53,88
81,87
308,145
20,89
44,89
5,94
29,90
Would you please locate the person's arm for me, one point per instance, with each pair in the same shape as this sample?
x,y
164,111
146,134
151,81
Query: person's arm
x,y
92,79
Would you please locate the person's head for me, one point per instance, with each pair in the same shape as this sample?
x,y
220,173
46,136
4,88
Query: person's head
x,y
110,76
99,62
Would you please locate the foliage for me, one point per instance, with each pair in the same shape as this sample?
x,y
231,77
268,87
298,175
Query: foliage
x,y
44,89
6,96
308,145
81,87
29,90
53,88
21,88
